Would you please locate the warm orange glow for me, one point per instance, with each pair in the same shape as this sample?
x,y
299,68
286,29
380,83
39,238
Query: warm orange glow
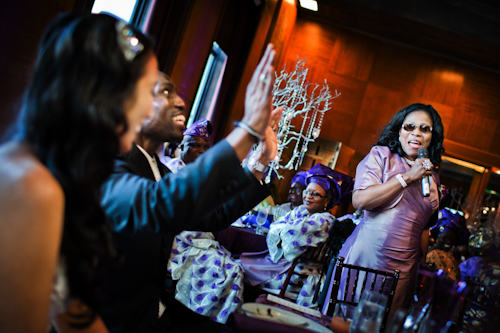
x,y
449,76
292,2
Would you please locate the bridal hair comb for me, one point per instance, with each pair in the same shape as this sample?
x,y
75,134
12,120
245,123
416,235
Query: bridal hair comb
x,y
128,42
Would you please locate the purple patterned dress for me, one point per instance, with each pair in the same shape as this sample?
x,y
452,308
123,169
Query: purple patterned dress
x,y
209,280
288,238
389,236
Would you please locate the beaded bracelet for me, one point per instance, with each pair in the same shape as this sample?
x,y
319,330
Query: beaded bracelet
x,y
401,180
250,130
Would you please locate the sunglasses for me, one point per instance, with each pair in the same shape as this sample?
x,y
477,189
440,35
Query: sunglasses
x,y
315,195
411,127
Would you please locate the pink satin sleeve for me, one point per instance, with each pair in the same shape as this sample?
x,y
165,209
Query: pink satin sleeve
x,y
370,171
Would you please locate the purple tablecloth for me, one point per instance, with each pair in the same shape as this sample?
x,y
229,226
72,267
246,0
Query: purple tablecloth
x,y
239,240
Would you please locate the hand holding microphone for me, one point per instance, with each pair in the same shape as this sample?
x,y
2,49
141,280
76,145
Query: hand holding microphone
x,y
427,165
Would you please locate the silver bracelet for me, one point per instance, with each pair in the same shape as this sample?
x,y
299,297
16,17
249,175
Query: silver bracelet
x,y
401,180
250,130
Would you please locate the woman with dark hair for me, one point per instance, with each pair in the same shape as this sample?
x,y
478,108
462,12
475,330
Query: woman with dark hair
x,y
393,232
90,90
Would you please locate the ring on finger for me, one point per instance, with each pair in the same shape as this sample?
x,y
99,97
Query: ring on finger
x,y
274,129
427,165
263,78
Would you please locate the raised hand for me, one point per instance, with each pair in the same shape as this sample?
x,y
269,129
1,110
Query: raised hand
x,y
258,94
269,144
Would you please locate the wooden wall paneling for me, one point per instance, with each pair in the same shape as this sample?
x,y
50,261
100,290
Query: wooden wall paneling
x,y
477,191
470,154
196,45
256,51
353,55
378,106
309,40
283,27
441,82
238,24
396,68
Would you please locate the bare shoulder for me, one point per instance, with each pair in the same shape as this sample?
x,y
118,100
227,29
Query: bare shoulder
x,y
26,181
31,224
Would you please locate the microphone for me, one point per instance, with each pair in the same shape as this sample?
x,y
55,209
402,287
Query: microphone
x,y
426,191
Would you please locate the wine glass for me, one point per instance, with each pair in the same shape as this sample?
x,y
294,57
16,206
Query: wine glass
x,y
261,220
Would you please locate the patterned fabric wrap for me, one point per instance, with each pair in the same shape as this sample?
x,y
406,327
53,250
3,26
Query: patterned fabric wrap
x,y
291,236
448,220
446,261
210,282
300,177
202,128
338,185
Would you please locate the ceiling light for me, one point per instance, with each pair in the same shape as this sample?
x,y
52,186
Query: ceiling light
x,y
309,4
472,166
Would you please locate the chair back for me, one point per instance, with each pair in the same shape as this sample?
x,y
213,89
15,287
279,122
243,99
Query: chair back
x,y
357,279
317,254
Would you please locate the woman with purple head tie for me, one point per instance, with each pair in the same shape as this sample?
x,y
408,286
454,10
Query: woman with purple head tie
x,y
393,233
307,225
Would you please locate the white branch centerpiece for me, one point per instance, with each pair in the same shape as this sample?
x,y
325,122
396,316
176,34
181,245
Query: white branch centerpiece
x,y
298,98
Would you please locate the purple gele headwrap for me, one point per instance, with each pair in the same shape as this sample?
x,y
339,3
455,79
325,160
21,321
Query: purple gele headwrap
x,y
338,185
451,220
300,177
202,128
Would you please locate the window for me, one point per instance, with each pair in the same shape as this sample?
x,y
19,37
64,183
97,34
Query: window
x,y
135,12
208,91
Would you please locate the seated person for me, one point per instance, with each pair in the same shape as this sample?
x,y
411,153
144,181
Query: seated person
x,y
448,232
210,282
297,186
306,225
194,143
275,212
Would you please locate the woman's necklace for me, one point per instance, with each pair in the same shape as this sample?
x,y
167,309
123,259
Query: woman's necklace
x,y
410,163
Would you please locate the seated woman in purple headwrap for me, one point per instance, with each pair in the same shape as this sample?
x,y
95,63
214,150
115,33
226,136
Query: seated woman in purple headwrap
x,y
305,226
297,186
449,231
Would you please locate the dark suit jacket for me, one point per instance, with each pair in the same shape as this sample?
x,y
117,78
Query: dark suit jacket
x,y
207,195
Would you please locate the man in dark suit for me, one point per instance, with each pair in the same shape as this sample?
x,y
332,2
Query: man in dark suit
x,y
145,203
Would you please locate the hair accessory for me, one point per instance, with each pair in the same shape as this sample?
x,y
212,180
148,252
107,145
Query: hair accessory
x,y
127,41
401,180
250,130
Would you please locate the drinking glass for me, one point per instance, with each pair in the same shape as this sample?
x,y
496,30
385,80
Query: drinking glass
x,y
261,220
369,313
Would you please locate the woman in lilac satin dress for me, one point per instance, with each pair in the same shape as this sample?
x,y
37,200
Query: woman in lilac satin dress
x,y
393,233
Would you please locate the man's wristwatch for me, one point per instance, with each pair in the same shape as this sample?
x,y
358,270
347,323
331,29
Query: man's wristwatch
x,y
256,165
